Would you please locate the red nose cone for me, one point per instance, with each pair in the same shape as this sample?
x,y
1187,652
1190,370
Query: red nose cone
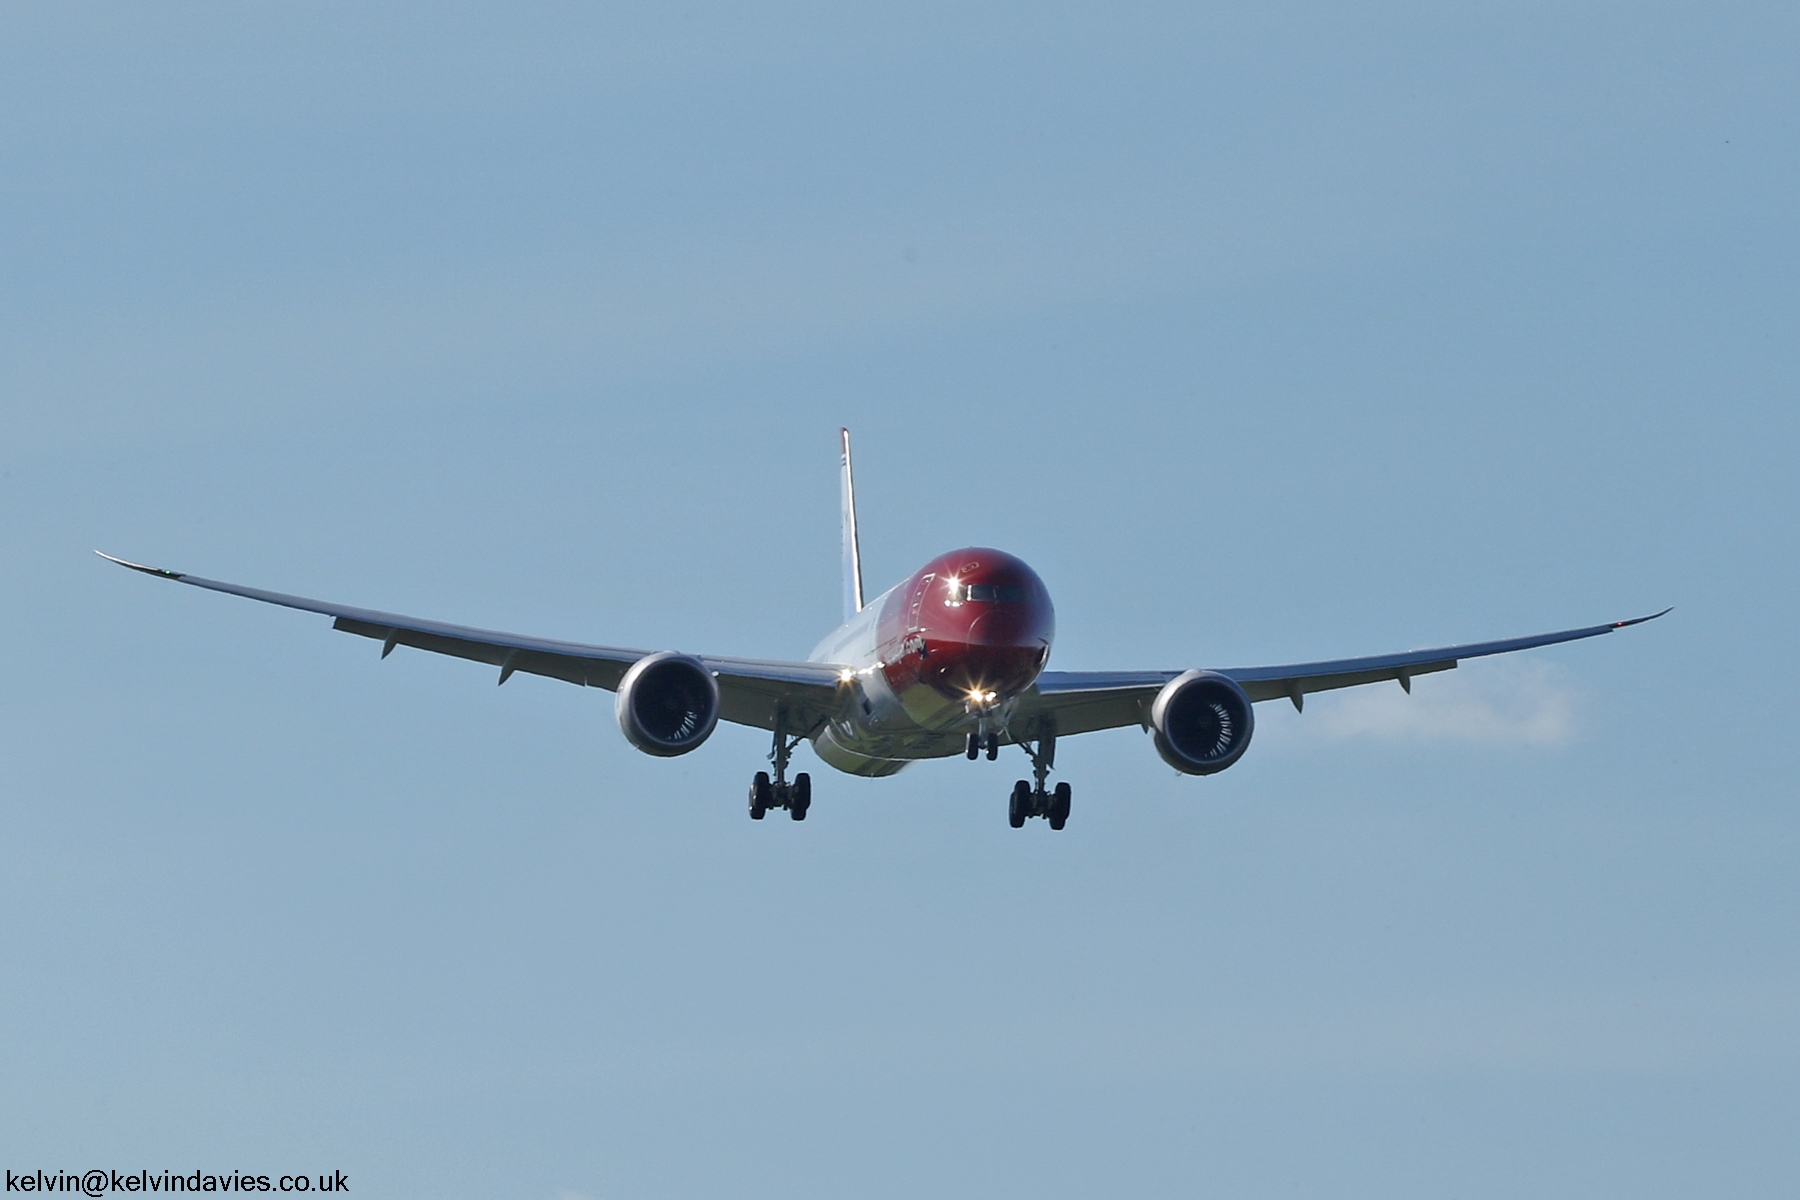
x,y
979,621
1001,625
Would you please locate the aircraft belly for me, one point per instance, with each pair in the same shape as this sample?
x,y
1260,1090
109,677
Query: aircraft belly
x,y
861,751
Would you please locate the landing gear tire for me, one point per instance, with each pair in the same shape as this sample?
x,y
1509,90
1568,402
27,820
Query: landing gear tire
x,y
762,795
993,746
1020,806
800,796
974,747
1059,805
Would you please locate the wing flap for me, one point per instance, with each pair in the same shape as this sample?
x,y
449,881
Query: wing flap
x,y
581,670
1286,687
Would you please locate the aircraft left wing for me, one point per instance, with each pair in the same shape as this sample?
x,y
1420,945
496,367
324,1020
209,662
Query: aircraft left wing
x,y
1069,702
751,691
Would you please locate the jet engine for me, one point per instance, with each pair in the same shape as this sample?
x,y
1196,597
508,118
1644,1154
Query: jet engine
x,y
1203,722
668,704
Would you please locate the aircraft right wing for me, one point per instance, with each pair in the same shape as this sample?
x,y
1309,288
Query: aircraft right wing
x,y
754,692
1069,702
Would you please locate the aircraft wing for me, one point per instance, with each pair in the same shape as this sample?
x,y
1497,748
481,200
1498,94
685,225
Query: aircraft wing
x,y
751,691
1083,701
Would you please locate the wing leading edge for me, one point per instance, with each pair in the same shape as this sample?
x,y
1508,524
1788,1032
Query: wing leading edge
x,y
1084,701
751,691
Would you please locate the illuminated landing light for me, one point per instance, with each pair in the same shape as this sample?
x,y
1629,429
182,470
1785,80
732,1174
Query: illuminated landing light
x,y
846,675
980,698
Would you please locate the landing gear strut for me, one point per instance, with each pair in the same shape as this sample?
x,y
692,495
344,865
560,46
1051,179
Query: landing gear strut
x,y
1030,800
766,793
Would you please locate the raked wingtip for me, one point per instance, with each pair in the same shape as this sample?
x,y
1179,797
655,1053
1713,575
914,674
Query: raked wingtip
x,y
156,571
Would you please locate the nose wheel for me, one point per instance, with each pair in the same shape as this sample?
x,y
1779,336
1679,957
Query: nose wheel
x,y
978,742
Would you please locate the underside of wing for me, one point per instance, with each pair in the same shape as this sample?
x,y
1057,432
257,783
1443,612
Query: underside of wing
x,y
755,692
1068,702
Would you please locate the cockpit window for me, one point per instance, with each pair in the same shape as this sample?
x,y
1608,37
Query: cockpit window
x,y
1007,593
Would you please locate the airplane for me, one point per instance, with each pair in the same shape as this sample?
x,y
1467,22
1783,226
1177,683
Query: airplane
x,y
950,661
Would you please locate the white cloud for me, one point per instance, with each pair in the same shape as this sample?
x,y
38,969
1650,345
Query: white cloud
x,y
1501,704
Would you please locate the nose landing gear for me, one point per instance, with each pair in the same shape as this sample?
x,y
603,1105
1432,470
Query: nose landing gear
x,y
766,793
979,741
1035,801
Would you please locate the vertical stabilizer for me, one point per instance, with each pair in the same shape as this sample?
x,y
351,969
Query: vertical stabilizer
x,y
853,593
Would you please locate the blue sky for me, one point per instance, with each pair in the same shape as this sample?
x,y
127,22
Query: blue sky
x,y
1264,333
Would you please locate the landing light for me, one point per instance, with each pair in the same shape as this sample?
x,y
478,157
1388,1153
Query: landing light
x,y
846,675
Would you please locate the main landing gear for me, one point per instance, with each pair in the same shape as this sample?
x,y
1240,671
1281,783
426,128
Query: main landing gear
x,y
766,793
1034,801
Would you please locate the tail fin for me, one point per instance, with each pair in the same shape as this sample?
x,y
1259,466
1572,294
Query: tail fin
x,y
853,593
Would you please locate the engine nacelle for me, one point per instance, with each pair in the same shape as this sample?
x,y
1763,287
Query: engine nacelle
x,y
668,704
1203,721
